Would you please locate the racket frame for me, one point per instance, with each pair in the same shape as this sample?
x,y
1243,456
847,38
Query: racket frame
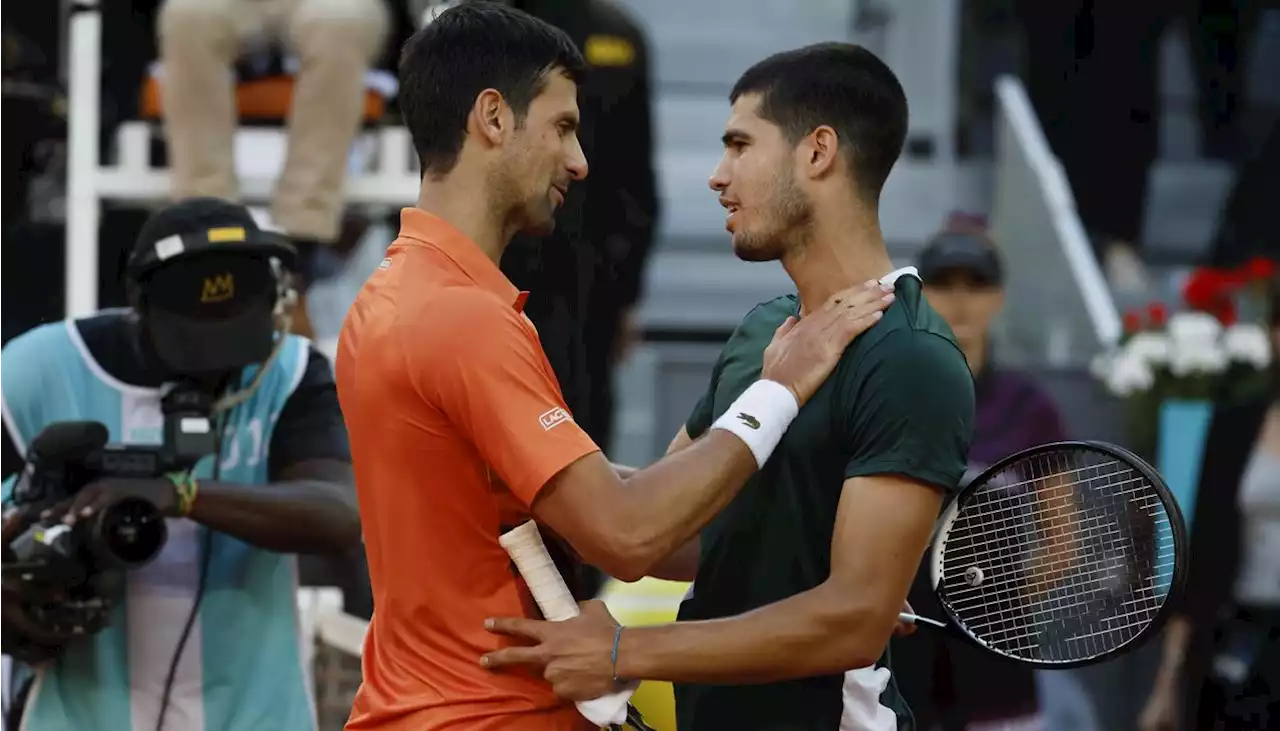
x,y
1177,582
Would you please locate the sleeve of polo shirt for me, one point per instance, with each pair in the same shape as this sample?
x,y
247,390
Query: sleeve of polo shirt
x,y
486,371
910,410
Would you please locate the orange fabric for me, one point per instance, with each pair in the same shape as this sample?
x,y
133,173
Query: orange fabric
x,y
456,422
266,99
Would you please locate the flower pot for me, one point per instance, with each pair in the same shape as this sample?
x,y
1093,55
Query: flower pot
x,y
1183,426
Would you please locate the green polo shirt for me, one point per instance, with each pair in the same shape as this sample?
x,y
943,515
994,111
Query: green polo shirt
x,y
899,402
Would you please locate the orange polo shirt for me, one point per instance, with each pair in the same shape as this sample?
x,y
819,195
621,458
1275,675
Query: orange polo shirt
x,y
456,422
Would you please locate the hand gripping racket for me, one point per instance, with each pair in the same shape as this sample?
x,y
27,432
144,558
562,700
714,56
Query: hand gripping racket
x,y
1059,556
524,544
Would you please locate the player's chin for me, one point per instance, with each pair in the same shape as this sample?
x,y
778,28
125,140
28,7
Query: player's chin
x,y
748,250
540,223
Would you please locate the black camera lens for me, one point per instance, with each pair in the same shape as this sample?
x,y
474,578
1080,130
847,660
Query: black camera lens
x,y
127,535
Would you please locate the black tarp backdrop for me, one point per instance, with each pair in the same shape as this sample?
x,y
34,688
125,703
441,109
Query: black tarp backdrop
x,y
33,251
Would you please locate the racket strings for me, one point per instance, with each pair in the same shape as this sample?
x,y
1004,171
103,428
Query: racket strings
x,y
1059,558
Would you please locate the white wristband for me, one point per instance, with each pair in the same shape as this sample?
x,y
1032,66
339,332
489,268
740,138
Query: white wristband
x,y
760,416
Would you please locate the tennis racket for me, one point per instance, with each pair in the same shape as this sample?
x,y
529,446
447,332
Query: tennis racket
x,y
1059,556
527,551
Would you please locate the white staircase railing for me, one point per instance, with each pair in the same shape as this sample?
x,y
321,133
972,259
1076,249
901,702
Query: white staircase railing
x,y
1059,308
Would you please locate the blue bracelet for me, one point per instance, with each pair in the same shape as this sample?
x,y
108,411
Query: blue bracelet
x,y
617,635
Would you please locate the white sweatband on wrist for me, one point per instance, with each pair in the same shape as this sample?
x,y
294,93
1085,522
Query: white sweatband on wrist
x,y
760,416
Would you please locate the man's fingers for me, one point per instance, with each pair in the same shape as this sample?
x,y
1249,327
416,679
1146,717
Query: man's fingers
x,y
785,327
509,656
515,627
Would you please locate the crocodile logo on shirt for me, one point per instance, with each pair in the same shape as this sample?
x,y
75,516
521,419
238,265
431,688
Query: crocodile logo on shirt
x,y
749,420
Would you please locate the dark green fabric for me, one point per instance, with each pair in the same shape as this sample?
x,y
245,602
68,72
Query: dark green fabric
x,y
899,402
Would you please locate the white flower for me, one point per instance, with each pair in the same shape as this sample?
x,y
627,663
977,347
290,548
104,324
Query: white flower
x,y
1247,343
1128,375
1192,358
1100,366
1150,347
1187,329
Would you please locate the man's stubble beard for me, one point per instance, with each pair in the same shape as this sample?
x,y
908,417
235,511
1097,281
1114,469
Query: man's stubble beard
x,y
792,216
526,215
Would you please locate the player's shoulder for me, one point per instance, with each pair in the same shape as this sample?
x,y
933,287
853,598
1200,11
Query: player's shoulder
x,y
755,331
909,324
768,315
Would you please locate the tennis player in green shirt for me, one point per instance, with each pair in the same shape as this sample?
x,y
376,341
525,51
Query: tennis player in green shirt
x,y
799,581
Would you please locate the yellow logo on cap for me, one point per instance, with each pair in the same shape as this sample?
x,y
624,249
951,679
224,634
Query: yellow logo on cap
x,y
218,288
226,234
609,51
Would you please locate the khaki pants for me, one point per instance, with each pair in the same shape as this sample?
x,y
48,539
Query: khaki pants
x,y
333,39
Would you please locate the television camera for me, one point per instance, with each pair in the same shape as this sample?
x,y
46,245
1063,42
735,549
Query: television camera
x,y
51,558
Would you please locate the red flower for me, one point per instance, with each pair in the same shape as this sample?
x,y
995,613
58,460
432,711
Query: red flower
x,y
1260,267
1132,322
1205,288
1226,314
1157,314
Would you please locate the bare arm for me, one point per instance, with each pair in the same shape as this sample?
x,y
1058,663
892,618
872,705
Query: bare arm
x,y
682,565
626,527
882,529
310,509
497,391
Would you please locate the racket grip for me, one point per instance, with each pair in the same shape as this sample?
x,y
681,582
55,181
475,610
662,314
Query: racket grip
x,y
527,551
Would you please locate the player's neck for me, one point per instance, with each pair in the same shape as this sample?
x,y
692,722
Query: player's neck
x,y
844,250
456,202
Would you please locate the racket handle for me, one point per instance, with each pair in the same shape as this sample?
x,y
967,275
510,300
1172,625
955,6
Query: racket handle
x,y
525,547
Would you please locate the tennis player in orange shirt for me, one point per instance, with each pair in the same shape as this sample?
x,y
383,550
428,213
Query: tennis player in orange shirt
x,y
458,428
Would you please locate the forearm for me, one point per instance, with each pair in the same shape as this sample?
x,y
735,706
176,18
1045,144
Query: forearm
x,y
682,565
295,516
804,635
1177,634
665,505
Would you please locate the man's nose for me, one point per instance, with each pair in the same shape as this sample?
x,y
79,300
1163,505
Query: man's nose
x,y
577,163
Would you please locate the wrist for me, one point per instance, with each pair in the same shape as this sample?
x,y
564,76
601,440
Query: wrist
x,y
760,416
629,664
185,489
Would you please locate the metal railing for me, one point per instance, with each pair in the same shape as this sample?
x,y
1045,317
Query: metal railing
x,y
1059,310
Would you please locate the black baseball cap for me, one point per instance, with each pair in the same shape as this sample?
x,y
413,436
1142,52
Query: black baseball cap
x,y
208,279
953,251
200,225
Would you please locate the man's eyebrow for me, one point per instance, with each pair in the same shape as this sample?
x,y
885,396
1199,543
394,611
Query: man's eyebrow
x,y
734,136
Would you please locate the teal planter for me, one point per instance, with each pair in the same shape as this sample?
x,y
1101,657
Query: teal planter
x,y
1183,426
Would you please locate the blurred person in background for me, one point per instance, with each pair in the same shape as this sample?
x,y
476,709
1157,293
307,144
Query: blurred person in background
x,y
334,41
951,685
1248,226
1092,74
1220,665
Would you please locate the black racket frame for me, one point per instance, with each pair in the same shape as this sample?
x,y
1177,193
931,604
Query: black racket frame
x,y
1181,557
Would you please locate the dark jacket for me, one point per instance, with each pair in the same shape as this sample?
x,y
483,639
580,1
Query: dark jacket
x,y
604,231
1215,548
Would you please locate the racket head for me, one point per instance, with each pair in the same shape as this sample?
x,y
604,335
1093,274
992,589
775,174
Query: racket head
x,y
1061,555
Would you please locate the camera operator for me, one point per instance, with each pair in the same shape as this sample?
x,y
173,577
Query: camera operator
x,y
205,636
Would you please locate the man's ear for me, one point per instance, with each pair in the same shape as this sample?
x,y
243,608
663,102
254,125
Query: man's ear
x,y
490,116
819,151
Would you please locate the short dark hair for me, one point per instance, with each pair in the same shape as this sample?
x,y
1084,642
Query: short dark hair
x,y
469,48
841,85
